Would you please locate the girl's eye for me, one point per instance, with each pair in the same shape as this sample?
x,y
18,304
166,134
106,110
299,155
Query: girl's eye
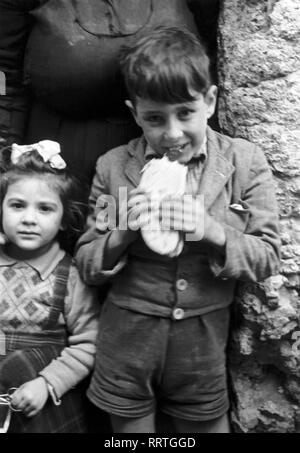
x,y
46,208
16,205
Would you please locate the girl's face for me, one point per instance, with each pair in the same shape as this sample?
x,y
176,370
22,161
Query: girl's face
x,y
32,215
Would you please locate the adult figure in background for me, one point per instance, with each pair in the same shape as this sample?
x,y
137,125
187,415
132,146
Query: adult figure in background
x,y
61,67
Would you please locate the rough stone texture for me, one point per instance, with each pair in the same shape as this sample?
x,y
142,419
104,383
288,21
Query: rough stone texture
x,y
259,80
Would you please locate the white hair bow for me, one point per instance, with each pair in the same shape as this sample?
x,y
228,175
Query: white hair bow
x,y
47,149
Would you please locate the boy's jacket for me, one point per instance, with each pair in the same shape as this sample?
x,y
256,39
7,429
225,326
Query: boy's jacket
x,y
238,191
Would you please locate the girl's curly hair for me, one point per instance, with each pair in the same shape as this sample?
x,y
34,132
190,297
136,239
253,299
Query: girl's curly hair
x,y
71,192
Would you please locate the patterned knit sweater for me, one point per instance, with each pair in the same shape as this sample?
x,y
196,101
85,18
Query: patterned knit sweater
x,y
26,294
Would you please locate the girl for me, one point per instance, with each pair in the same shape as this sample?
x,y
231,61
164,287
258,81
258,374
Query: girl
x,y
49,316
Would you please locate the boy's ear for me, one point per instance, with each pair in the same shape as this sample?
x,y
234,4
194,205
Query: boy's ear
x,y
132,109
130,106
3,239
211,100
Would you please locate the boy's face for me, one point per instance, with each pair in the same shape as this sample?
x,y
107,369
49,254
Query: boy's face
x,y
176,129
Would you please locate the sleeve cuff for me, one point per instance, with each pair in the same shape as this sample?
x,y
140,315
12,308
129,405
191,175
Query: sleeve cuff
x,y
220,262
52,393
117,268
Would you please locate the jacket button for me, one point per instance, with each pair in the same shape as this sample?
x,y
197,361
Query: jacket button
x,y
181,284
178,314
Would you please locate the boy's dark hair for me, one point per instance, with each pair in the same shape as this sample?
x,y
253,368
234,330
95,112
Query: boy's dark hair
x,y
166,64
70,191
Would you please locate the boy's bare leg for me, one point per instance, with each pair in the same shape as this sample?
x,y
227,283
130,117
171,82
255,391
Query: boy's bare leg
x,y
217,426
133,425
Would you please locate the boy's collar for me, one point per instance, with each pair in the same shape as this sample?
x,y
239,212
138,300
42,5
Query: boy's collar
x,y
44,264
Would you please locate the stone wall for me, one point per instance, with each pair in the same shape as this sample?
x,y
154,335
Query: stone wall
x,y
259,80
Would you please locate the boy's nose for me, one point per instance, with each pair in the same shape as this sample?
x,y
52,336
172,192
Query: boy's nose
x,y
173,131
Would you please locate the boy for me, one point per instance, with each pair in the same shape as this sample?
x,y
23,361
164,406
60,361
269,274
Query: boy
x,y
164,325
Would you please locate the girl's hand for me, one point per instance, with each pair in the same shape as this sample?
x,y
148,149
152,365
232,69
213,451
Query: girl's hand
x,y
31,397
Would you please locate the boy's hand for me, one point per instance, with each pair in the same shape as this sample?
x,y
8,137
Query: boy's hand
x,y
188,215
31,397
133,214
141,208
126,224
185,214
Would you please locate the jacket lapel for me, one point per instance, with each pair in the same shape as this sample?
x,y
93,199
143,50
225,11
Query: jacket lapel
x,y
136,161
216,173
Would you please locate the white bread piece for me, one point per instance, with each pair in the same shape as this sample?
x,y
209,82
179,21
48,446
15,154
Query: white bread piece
x,y
162,178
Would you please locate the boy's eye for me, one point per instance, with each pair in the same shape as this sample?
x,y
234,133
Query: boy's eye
x,y
45,208
185,113
154,119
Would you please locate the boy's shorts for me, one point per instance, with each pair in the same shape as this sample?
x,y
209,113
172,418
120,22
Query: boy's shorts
x,y
144,361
